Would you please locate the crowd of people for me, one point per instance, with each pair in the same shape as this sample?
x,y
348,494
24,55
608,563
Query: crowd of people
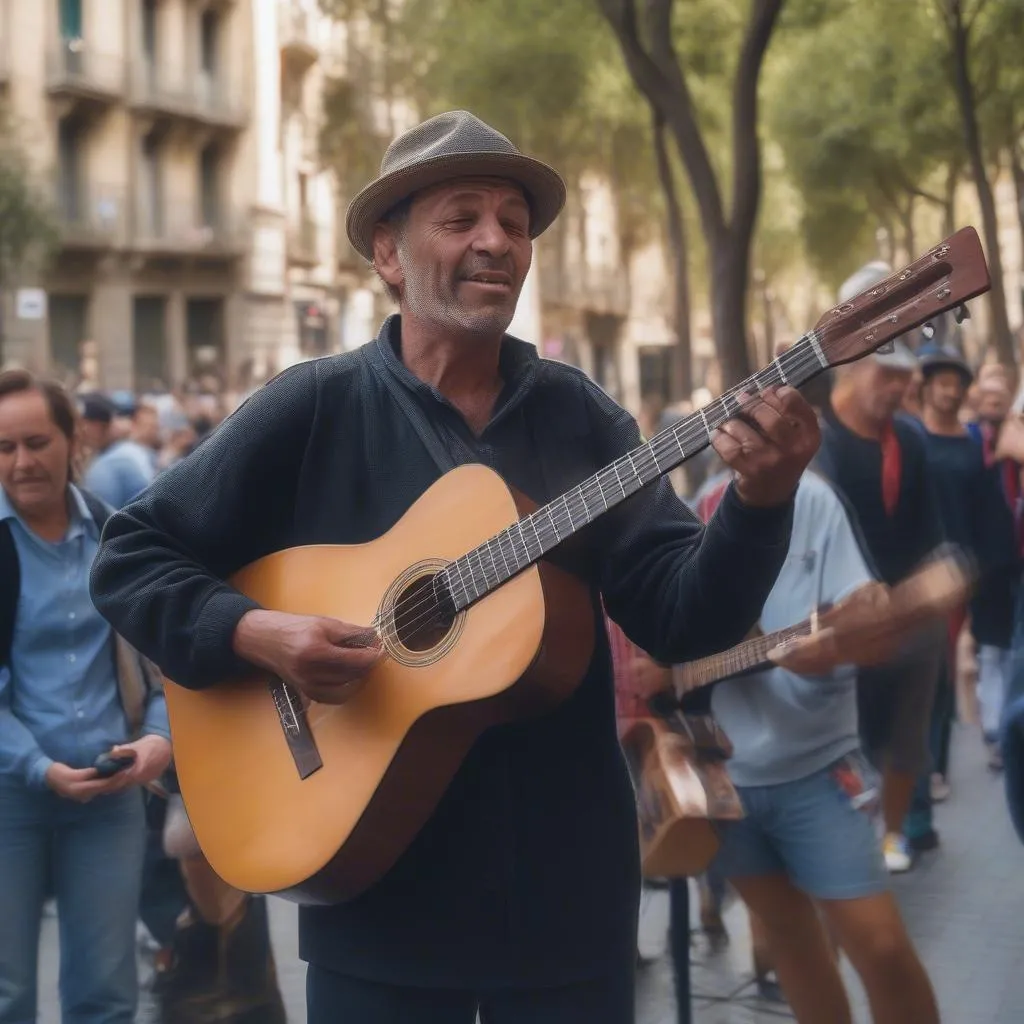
x,y
917,450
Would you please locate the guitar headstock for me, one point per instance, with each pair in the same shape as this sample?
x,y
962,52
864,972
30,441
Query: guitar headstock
x,y
944,278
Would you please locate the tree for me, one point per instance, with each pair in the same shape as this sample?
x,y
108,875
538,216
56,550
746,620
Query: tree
x,y
960,18
28,231
866,121
648,46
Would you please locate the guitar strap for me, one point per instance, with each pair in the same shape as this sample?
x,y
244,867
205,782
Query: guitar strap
x,y
436,448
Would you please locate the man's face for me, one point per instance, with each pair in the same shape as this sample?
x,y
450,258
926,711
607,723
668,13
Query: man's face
x,y
944,391
879,389
462,256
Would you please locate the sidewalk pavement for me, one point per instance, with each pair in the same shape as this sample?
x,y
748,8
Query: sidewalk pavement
x,y
964,905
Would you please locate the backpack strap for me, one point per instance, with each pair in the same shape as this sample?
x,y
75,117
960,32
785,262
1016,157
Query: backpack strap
x,y
10,589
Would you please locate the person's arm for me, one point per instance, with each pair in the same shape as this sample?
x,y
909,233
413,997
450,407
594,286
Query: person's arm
x,y
20,754
159,575
680,590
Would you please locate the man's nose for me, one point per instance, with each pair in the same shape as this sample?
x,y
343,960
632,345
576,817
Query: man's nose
x,y
491,237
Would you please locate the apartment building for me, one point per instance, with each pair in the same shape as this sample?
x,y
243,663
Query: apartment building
x,y
178,139
291,300
134,111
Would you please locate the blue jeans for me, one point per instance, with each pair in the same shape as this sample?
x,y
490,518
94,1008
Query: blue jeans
x,y
92,855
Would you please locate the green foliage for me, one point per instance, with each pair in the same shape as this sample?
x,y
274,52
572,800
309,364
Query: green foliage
x,y
28,231
863,111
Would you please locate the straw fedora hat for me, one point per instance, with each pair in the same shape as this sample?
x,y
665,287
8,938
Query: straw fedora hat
x,y
449,146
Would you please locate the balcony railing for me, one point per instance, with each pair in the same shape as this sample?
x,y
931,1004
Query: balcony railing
x,y
89,215
179,227
304,242
72,66
297,34
196,95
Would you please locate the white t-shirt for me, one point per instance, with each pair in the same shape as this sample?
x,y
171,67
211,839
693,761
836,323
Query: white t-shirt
x,y
785,727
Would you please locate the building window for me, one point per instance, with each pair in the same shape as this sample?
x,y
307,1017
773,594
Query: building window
x,y
69,17
209,39
312,328
151,200
209,186
69,170
148,19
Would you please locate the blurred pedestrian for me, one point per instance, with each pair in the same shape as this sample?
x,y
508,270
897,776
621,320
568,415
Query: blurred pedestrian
x,y
70,692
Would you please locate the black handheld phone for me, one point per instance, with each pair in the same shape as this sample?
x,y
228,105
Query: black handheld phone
x,y
110,764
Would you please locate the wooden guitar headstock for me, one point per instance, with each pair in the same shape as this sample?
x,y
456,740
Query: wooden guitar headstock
x,y
944,278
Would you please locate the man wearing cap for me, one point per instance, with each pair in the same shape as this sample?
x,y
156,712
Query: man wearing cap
x,y
877,463
519,897
977,517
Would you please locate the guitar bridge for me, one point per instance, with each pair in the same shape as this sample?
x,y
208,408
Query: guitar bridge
x,y
295,727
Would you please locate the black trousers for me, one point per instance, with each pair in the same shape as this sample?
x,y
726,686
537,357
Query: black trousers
x,y
337,999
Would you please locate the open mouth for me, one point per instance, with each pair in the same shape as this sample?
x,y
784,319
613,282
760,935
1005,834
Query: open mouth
x,y
495,281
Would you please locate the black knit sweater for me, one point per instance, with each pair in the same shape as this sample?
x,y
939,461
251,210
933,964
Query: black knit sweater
x,y
527,874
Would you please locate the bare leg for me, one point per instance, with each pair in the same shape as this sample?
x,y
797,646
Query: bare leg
x,y
897,793
873,936
802,955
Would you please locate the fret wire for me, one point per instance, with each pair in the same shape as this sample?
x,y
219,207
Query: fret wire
x,y
525,542
491,544
501,551
532,521
797,363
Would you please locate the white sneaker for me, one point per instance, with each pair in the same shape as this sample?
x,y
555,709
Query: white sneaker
x,y
896,850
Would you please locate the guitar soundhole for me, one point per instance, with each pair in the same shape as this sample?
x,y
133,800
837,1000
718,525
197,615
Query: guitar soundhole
x,y
423,614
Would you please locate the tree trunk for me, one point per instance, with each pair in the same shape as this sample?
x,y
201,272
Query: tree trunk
x,y
654,66
909,237
949,200
682,364
769,321
729,311
1002,338
1017,165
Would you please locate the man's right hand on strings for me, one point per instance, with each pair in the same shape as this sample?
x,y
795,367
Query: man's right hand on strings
x,y
325,659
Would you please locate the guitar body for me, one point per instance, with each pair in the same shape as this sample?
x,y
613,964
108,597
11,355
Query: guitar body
x,y
388,753
680,793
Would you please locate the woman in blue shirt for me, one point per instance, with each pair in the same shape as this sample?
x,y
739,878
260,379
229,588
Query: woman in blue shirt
x,y
62,704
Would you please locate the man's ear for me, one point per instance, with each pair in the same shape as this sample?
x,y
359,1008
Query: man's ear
x,y
385,256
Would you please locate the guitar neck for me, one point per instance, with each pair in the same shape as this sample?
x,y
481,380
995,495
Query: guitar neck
x,y
485,568
750,654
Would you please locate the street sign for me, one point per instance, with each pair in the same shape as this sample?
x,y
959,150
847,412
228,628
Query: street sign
x,y
30,304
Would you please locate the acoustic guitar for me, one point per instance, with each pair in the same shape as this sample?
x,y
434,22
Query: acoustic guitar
x,y
318,803
677,760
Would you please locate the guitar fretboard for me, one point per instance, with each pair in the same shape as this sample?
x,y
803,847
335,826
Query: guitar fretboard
x,y
498,559
747,655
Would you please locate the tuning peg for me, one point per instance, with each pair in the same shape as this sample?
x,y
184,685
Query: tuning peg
x,y
961,313
887,349
928,330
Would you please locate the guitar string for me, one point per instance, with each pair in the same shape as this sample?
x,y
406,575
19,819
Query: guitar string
x,y
720,666
415,613
422,609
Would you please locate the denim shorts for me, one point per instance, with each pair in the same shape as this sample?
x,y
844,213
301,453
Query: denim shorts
x,y
818,831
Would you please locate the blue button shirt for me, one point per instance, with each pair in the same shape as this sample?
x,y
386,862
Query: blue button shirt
x,y
121,473
59,699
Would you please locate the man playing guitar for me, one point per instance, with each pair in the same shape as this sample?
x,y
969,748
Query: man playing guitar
x,y
519,897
